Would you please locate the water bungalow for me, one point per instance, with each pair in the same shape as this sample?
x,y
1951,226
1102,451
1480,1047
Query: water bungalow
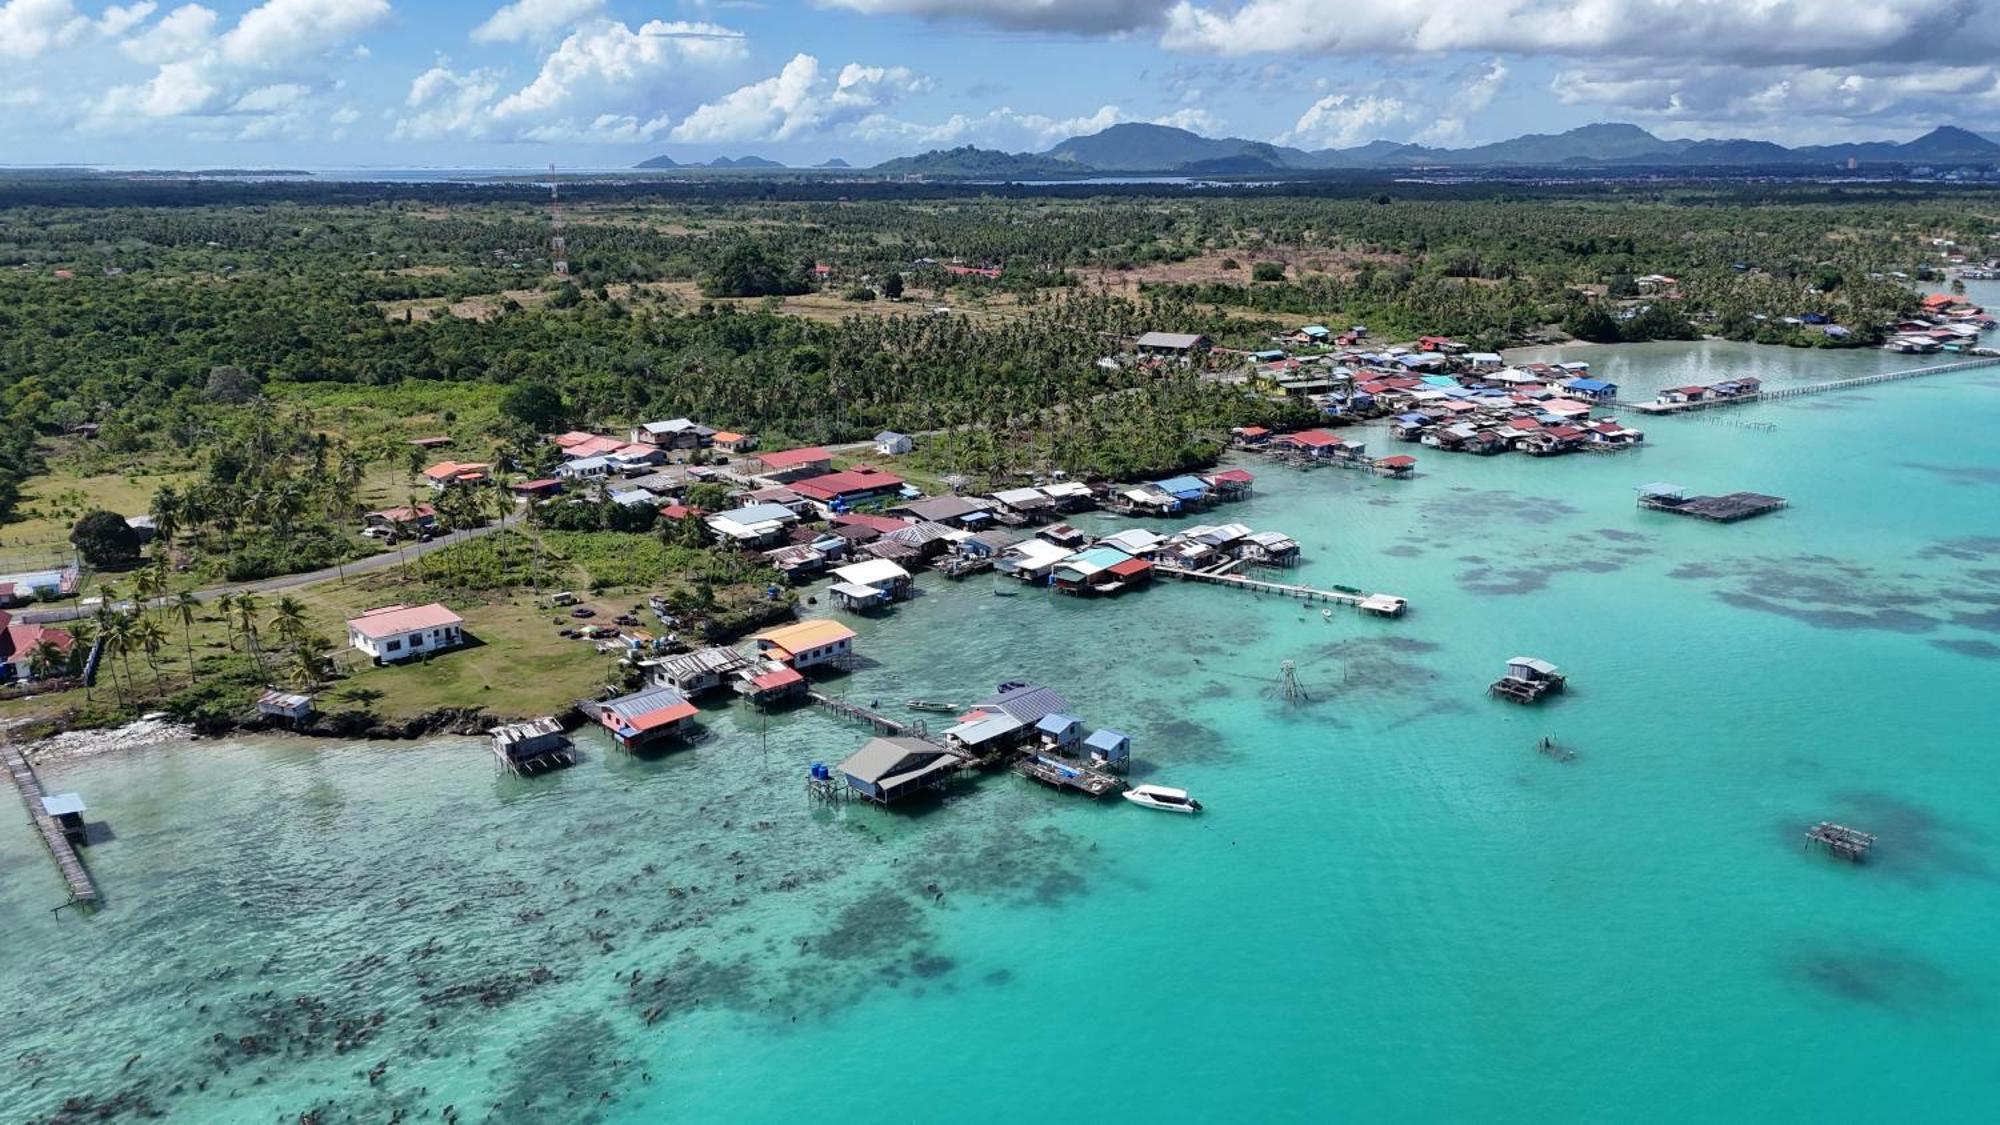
x,y
1664,497
1230,484
1109,748
1099,570
532,746
869,585
647,717
886,770
1145,500
983,732
1063,535
1528,679
1024,504
769,683
1400,465
1192,492
1269,548
693,673
1059,731
1069,495
955,511
1383,605
1032,560
805,644
1135,541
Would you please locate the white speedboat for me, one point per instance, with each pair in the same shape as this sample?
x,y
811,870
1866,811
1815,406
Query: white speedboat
x,y
1162,798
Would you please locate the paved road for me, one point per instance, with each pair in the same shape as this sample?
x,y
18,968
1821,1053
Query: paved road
x,y
368,565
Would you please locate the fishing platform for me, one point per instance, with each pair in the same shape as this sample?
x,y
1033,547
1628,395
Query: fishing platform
x,y
1528,680
59,819
1729,508
1848,843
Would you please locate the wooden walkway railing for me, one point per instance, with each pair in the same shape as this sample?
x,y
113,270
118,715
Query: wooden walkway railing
x,y
1260,586
1655,408
82,891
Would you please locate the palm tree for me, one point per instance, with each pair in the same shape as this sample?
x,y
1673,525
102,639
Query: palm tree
x,y
226,604
83,633
166,515
246,617
184,607
45,659
118,641
149,635
311,662
289,621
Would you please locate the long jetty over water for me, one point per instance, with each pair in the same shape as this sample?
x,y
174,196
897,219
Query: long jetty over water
x,y
1262,586
82,891
1809,388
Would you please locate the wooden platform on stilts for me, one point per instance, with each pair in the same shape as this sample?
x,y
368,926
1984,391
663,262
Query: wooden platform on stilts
x,y
82,890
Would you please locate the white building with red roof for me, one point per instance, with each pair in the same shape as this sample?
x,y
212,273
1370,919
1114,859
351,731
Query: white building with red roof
x,y
401,632
18,643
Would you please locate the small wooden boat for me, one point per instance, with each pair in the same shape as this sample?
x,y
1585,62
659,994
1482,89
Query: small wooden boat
x,y
931,705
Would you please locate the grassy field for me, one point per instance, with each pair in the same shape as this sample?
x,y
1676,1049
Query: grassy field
x,y
518,664
54,502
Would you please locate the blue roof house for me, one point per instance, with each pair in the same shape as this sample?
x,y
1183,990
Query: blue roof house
x,y
1109,747
1592,388
1059,730
1185,489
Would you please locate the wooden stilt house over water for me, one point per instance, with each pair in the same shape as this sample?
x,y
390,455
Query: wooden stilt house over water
x,y
1528,679
886,770
648,717
1231,484
770,684
1109,748
532,746
692,673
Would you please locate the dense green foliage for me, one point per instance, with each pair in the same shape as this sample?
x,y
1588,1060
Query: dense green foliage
x,y
105,540
183,313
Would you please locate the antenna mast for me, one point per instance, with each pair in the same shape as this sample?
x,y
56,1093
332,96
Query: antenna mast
x,y
558,246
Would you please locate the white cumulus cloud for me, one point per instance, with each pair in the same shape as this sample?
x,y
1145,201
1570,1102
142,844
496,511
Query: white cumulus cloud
x,y
30,27
607,68
281,31
1073,16
797,101
530,21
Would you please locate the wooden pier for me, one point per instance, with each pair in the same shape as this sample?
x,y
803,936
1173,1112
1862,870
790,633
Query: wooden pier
x,y
882,723
82,891
1658,408
1058,774
1221,577
1838,839
1728,508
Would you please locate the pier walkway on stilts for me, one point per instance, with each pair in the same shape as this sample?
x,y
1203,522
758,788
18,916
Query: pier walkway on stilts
x,y
1808,388
895,728
82,891
1221,577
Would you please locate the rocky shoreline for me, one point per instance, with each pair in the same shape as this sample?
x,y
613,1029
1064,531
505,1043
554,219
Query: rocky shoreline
x,y
349,726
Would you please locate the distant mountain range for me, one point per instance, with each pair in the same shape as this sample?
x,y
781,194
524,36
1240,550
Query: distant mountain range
x,y
719,162
1139,148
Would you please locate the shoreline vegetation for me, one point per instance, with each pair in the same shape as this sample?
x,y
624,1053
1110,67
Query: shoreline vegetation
x,y
252,382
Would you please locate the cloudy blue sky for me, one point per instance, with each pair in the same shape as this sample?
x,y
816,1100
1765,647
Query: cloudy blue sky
x,y
602,83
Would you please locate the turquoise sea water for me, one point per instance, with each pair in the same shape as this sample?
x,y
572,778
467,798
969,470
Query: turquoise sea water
x,y
1394,909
